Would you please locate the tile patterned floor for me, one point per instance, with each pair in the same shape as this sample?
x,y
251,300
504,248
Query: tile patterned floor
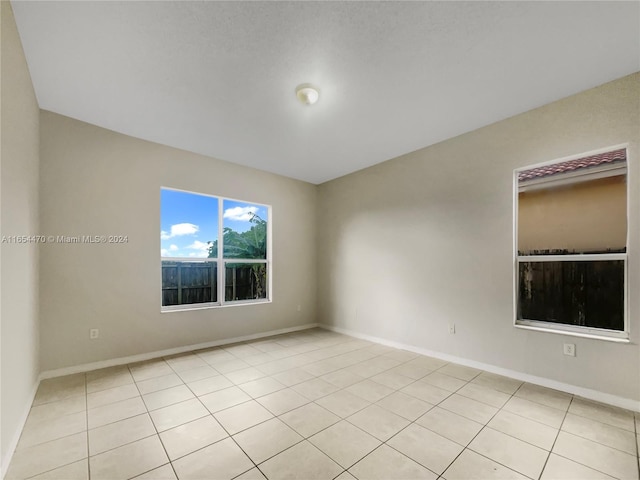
x,y
316,405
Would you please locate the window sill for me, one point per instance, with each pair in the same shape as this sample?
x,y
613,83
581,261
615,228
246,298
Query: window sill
x,y
595,336
208,306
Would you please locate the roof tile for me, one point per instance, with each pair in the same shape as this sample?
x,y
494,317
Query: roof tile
x,y
571,165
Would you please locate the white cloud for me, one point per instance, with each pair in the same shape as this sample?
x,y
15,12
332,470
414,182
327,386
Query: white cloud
x,y
241,214
180,229
173,248
164,252
201,247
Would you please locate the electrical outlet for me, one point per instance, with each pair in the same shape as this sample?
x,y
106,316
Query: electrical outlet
x,y
570,349
94,333
452,328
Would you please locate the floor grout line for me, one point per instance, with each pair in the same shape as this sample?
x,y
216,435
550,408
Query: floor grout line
x,y
327,348
148,413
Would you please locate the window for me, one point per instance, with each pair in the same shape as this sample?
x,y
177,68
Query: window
x,y
214,251
571,239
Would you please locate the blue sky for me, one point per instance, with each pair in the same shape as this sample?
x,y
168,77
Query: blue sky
x,y
189,220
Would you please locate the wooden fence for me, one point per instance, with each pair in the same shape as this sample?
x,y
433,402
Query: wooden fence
x,y
197,282
189,282
586,293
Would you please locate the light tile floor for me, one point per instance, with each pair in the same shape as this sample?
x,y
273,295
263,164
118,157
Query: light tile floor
x,y
316,405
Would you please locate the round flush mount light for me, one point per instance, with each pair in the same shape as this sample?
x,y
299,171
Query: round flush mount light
x,y
307,93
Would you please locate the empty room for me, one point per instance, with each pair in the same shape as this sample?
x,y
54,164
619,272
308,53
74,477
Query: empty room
x,y
319,240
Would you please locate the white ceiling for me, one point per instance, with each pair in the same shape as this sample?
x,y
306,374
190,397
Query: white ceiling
x,y
218,78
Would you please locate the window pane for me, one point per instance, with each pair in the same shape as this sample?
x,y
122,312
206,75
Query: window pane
x,y
245,230
582,217
589,294
185,283
189,224
245,281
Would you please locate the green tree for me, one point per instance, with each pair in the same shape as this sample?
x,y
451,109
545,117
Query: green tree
x,y
249,244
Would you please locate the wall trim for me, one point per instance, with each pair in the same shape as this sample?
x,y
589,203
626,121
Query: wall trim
x,y
13,444
595,395
87,367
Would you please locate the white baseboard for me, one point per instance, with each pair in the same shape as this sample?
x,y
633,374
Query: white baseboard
x,y
87,367
13,444
587,393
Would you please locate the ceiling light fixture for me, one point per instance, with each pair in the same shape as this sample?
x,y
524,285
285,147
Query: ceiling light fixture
x,y
307,93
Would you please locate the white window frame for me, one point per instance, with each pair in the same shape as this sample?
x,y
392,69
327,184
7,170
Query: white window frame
x,y
221,262
592,174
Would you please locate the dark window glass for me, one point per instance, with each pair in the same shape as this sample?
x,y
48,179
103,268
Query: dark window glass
x,y
583,293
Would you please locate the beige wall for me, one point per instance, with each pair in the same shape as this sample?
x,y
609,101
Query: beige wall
x,y
413,244
98,182
19,215
582,217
